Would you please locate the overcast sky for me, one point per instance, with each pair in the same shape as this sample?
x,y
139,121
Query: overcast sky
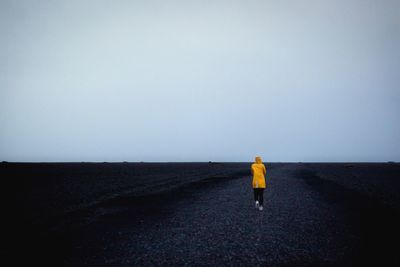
x,y
304,80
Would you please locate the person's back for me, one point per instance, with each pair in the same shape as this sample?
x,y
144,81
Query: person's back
x,y
258,170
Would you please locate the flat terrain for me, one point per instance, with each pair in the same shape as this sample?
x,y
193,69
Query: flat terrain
x,y
200,214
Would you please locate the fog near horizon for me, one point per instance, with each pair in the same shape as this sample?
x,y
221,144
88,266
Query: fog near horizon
x,y
199,80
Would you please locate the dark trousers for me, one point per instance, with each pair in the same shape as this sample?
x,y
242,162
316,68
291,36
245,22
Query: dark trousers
x,y
258,195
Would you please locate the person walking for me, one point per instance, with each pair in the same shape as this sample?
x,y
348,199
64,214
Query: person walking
x,y
258,171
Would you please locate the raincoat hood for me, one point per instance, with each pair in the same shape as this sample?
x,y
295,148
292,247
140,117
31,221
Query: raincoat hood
x,y
258,159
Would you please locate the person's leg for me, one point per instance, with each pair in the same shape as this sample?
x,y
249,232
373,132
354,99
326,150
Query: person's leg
x,y
261,196
255,194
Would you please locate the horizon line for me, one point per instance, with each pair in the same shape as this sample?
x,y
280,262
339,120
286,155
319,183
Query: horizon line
x,y
100,162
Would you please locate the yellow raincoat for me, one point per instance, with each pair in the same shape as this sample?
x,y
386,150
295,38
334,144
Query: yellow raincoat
x,y
258,171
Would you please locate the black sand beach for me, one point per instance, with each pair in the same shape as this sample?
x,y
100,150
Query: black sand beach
x,y
135,214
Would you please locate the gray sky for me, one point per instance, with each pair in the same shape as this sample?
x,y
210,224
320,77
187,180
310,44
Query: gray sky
x,y
304,80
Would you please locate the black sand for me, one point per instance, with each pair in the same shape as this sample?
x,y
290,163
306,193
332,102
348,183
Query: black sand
x,y
200,214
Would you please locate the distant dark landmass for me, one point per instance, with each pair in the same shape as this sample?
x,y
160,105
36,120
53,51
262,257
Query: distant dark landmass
x,y
129,214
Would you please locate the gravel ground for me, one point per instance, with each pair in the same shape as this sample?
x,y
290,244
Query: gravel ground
x,y
221,226
301,225
306,221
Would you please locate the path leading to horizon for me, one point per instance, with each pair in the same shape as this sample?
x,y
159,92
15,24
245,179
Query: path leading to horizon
x,y
306,221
